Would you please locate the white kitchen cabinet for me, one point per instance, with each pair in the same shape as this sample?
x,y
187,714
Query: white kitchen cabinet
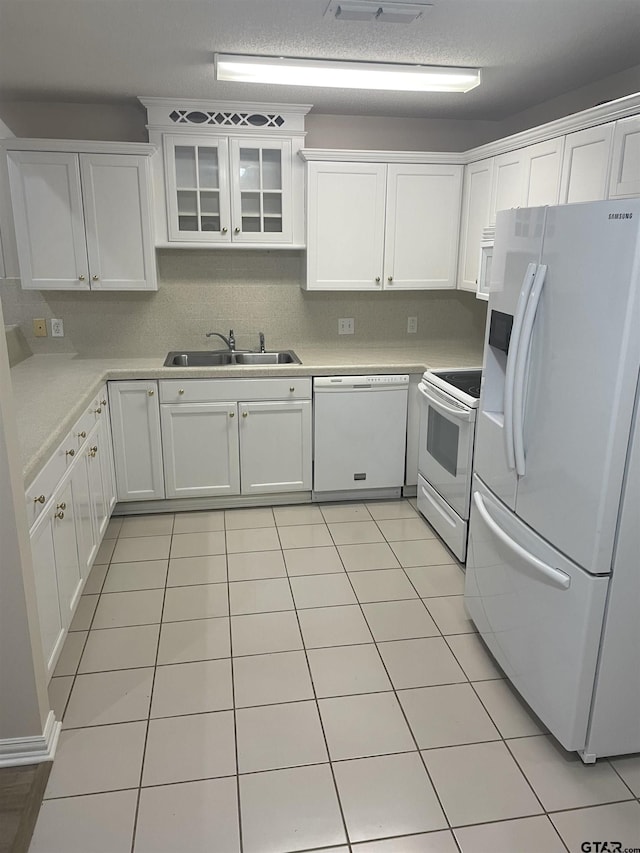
x,y
374,226
421,226
223,190
58,580
275,446
585,164
224,437
527,177
135,428
200,449
86,536
82,220
345,225
625,166
476,199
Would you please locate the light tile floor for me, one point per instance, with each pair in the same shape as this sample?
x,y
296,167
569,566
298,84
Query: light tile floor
x,y
302,678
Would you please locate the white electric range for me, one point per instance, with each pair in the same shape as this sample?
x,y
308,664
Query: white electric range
x,y
449,401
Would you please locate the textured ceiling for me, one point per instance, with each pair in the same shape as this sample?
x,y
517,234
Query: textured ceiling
x,y
113,50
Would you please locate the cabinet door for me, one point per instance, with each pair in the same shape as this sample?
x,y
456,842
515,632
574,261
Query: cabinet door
x,y
200,449
585,165
98,498
275,447
49,223
261,204
83,511
105,442
422,226
46,584
197,183
345,226
117,211
543,163
625,166
476,198
135,427
66,553
508,183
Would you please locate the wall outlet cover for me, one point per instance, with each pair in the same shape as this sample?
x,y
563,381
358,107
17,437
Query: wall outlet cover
x,y
346,326
40,328
57,329
412,325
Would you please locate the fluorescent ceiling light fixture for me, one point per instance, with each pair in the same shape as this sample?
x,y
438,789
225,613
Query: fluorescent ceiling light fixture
x,y
339,74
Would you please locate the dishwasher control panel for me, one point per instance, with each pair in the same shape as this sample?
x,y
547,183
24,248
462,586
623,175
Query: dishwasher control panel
x,y
375,381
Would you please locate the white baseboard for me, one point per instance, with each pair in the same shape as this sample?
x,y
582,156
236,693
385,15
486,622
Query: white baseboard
x,y
31,750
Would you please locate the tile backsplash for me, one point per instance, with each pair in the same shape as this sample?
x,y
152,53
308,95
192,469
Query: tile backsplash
x,y
249,291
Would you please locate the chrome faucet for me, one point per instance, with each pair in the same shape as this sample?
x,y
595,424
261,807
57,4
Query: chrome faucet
x,y
261,338
230,341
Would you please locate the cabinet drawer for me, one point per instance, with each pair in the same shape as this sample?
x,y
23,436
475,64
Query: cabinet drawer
x,y
223,390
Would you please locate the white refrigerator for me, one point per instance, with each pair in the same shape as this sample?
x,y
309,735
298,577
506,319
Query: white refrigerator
x,y
553,559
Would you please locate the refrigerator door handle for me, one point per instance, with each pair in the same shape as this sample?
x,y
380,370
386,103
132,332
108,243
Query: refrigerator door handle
x,y
556,576
522,359
514,345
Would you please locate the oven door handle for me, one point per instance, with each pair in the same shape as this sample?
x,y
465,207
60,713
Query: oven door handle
x,y
465,414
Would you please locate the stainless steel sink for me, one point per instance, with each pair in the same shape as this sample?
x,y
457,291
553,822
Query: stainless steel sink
x,y
224,358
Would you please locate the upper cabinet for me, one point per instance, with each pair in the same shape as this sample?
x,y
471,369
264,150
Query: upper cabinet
x,y
585,165
476,198
381,226
527,177
231,174
82,218
625,166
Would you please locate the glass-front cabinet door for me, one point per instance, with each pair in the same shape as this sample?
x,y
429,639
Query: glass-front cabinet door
x,y
197,179
261,190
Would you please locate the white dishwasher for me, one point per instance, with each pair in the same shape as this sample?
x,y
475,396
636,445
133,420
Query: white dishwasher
x,y
360,433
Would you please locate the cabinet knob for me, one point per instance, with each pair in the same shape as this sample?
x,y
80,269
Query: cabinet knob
x,y
61,505
59,515
181,391
82,434
98,411
377,279
94,449
80,278
390,279
70,452
151,392
39,500
95,278
224,229
232,414
103,402
236,230
244,414
292,388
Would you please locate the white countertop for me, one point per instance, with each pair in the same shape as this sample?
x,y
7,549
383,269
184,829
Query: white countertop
x,y
51,391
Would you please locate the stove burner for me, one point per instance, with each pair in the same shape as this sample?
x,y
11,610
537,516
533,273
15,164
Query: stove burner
x,y
467,381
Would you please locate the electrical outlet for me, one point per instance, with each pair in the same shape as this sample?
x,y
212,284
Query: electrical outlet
x,y
57,329
40,328
346,326
412,325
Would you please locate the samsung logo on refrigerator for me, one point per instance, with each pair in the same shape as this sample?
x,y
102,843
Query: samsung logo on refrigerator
x,y
621,216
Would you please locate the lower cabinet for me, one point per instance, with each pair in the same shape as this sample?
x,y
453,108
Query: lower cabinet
x,y
200,449
70,504
275,446
137,446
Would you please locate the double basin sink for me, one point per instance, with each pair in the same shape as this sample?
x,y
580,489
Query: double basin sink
x,y
226,358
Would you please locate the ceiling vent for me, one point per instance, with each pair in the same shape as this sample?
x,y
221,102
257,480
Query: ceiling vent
x,y
386,12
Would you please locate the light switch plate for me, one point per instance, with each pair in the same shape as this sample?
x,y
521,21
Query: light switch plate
x,y
346,326
412,325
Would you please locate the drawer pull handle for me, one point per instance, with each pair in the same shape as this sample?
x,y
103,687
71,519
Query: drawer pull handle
x,y
70,452
82,434
59,515
39,500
